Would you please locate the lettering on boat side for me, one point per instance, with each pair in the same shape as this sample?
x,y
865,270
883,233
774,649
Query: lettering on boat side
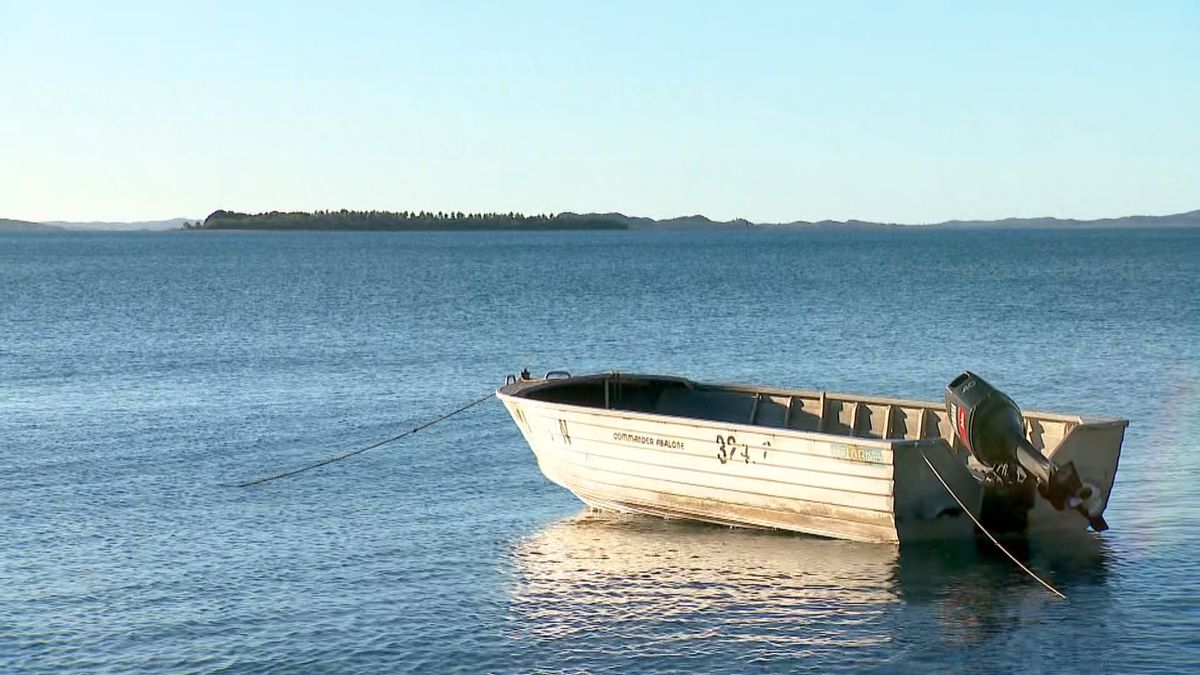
x,y
728,449
640,439
857,454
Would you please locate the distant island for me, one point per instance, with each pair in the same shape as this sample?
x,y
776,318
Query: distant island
x,y
443,221
400,220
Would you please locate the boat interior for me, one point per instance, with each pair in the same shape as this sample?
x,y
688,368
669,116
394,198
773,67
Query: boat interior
x,y
820,412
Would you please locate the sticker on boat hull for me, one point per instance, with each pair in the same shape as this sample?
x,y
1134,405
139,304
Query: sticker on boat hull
x,y
855,453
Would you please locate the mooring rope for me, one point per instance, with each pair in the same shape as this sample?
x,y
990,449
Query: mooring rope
x,y
359,451
984,529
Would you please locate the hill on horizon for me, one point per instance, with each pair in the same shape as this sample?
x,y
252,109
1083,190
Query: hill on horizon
x,y
122,226
700,222
10,225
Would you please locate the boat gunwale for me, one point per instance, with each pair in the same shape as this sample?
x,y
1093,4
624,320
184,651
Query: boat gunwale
x,y
888,444
521,388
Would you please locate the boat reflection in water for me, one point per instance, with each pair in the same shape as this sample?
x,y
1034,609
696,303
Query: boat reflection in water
x,y
603,571
618,584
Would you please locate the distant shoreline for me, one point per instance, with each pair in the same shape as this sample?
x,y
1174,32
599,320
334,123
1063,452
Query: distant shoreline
x,y
423,221
418,221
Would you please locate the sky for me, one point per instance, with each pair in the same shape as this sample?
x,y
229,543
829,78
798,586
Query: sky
x,y
908,112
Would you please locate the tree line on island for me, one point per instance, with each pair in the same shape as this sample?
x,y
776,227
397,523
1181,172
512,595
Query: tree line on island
x,y
401,220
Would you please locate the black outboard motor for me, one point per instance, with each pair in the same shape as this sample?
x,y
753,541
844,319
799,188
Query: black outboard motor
x,y
990,425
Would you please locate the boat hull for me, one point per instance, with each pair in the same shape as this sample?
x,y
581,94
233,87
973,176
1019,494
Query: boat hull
x,y
832,485
763,478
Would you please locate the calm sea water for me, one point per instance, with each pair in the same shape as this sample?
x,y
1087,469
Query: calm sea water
x,y
141,374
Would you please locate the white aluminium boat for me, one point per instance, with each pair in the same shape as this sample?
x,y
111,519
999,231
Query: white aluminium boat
x,y
853,467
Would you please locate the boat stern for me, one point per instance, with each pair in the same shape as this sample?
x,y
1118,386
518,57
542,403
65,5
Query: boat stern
x,y
1094,447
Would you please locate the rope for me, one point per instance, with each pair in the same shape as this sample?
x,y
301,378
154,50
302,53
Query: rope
x,y
352,453
984,530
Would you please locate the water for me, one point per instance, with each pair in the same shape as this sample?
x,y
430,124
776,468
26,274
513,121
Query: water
x,y
140,374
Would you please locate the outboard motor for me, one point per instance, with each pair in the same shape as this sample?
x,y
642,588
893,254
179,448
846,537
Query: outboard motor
x,y
990,425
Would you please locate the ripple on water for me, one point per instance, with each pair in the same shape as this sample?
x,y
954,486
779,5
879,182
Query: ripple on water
x,y
141,374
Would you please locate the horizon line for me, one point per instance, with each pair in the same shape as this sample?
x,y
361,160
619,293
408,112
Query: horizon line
x,y
623,214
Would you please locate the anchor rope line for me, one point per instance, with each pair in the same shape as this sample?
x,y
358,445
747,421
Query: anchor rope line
x,y
347,455
984,529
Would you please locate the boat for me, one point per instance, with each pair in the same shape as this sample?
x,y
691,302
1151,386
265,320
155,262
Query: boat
x,y
862,468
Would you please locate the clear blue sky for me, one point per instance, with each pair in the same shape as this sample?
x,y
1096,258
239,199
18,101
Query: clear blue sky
x,y
915,112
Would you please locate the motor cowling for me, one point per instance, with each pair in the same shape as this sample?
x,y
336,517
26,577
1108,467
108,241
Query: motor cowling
x,y
991,427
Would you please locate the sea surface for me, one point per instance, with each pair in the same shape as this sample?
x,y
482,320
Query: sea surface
x,y
143,375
